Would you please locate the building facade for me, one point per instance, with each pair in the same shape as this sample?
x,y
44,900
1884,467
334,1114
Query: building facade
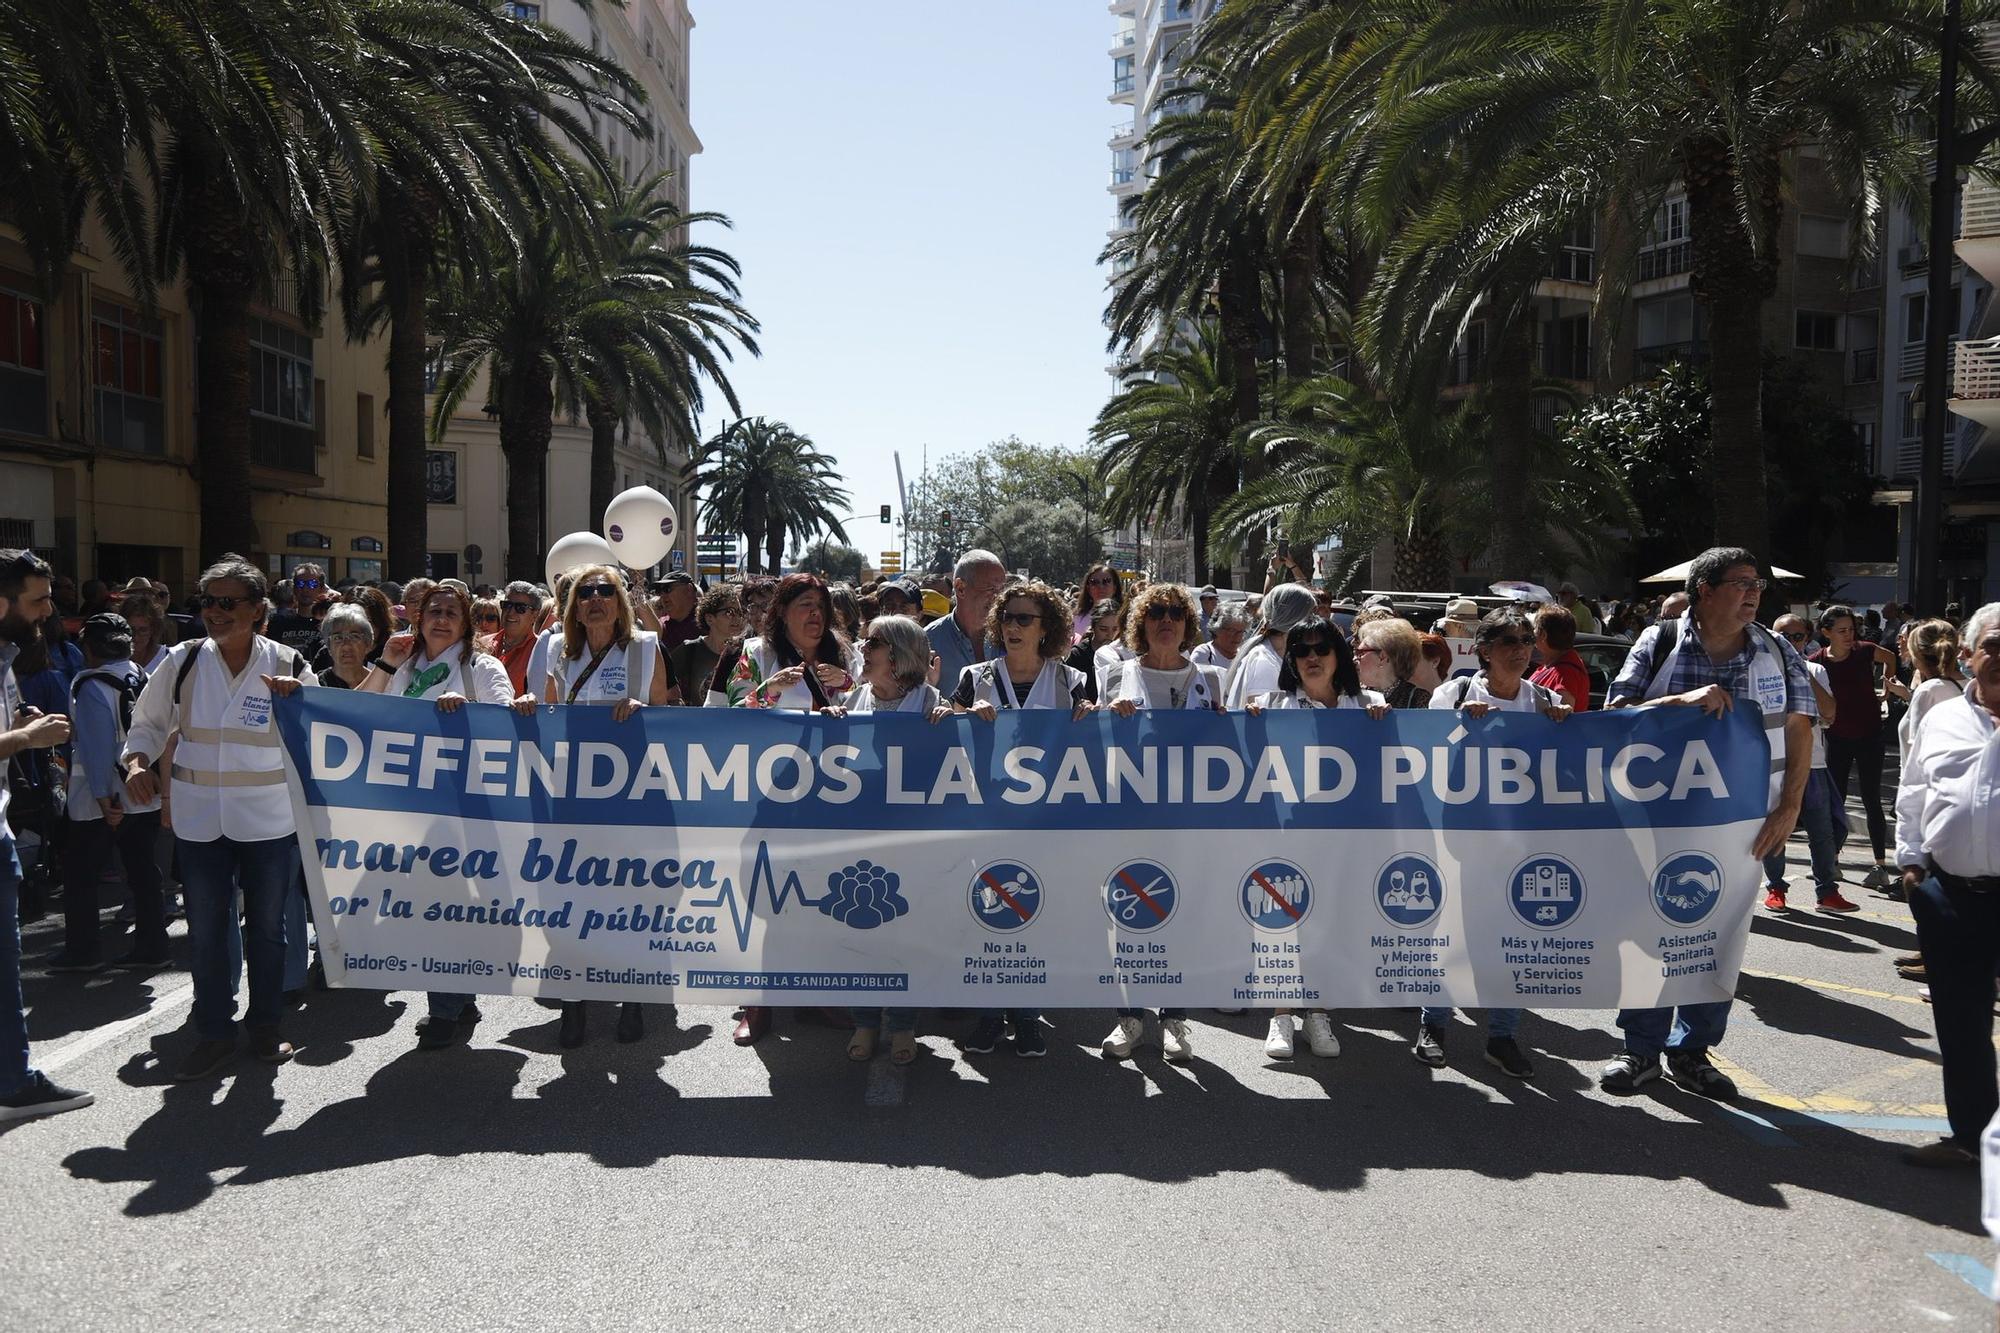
x,y
466,475
97,428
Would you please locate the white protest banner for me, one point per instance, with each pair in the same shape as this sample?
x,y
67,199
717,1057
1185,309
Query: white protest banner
x,y
1313,858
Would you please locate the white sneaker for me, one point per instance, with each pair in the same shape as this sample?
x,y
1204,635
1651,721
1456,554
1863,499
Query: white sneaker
x,y
1278,1045
1123,1039
1174,1041
1319,1035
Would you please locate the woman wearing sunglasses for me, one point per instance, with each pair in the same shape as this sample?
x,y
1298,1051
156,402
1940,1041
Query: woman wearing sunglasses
x,y
1162,625
520,610
1101,584
895,660
1319,671
1505,644
798,662
601,659
1032,625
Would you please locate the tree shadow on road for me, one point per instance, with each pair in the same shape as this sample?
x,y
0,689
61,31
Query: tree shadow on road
x,y
1072,1114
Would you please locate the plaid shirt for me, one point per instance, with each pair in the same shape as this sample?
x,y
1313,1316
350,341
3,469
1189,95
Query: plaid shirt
x,y
1692,669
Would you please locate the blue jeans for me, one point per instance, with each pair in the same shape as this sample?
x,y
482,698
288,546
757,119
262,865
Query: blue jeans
x,y
14,1068
297,964
1499,1022
1959,934
212,874
889,1020
1826,834
1694,1027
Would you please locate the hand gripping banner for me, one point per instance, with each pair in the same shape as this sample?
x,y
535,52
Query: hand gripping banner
x,y
1298,858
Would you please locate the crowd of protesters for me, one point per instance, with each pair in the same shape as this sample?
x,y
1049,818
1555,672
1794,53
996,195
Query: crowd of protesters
x,y
140,735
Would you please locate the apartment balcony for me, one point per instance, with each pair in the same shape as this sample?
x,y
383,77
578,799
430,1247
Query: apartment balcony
x,y
1979,227
1975,383
1910,366
1124,132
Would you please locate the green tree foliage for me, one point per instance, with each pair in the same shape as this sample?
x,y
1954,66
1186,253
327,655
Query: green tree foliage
x,y
833,561
772,484
974,487
1657,437
1055,543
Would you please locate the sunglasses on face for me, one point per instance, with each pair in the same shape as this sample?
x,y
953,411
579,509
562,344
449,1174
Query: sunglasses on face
x,y
1161,611
1512,641
1796,636
1313,648
516,608
208,602
591,591
1100,579
307,585
874,641
489,617
1021,619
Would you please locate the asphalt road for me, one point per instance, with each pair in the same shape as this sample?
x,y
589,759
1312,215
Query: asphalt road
x,y
684,1182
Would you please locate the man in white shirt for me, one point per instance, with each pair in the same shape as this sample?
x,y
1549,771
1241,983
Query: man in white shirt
x,y
233,824
1948,845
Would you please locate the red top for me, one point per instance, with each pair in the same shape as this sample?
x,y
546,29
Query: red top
x,y
1857,710
1566,673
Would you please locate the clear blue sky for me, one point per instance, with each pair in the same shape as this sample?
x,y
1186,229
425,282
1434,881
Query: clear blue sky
x,y
919,196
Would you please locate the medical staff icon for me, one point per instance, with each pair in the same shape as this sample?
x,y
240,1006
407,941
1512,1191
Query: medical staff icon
x,y
1006,897
1686,888
1409,891
1546,892
1140,896
1274,895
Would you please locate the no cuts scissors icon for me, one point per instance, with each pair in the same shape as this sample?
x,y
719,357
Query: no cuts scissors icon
x,y
1140,895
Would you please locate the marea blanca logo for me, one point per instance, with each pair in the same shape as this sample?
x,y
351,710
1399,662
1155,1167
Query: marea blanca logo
x,y
863,895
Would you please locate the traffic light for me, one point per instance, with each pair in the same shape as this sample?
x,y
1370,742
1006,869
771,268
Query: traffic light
x,y
885,513
944,519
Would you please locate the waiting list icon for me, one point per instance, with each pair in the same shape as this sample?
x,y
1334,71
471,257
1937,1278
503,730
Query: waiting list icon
x,y
1545,884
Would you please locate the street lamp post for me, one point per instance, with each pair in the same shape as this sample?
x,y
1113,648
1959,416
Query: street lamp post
x,y
1926,581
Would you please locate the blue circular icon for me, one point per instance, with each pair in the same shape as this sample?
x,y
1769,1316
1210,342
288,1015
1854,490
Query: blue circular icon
x,y
1140,896
1545,892
1409,891
1005,896
1686,888
1275,895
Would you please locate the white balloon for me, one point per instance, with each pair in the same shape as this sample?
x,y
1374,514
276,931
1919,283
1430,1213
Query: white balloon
x,y
639,525
579,548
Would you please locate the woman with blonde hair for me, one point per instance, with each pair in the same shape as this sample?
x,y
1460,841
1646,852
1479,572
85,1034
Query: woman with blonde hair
x,y
601,658
1933,647
1161,626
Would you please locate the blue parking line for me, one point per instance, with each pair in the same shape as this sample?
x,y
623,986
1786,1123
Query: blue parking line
x,y
1976,1274
1755,1127
1889,1124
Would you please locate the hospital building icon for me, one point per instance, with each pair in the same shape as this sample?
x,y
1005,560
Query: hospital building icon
x,y
1545,883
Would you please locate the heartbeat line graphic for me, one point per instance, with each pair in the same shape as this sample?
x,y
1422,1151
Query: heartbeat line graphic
x,y
763,878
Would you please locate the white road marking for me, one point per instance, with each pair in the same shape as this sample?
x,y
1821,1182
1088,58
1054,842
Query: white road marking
x,y
69,1053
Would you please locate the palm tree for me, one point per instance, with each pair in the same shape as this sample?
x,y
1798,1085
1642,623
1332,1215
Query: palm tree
x,y
449,85
1412,472
1169,436
1714,97
557,326
664,320
770,483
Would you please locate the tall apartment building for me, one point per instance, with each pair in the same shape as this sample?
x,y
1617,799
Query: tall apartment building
x,y
97,428
1969,547
465,473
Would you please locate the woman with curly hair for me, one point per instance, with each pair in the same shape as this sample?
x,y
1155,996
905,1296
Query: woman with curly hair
x,y
1033,626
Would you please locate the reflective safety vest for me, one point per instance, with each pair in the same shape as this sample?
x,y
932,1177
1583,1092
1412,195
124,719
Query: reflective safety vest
x,y
229,768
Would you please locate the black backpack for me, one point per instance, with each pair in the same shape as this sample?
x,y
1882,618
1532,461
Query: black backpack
x,y
126,689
